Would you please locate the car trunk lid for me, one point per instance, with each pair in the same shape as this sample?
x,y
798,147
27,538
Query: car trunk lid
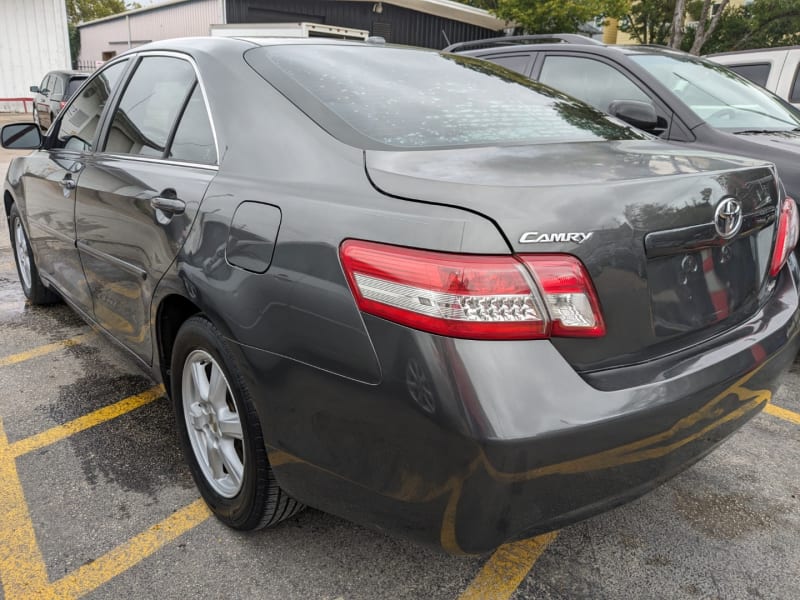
x,y
641,217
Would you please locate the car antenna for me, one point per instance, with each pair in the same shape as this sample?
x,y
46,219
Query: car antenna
x,y
446,39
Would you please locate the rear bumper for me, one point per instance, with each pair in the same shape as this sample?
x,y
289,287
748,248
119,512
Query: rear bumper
x,y
468,444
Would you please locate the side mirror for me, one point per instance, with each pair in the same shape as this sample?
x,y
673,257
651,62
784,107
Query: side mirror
x,y
34,89
641,115
21,136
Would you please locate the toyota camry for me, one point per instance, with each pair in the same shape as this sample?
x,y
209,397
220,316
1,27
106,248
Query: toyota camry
x,y
413,289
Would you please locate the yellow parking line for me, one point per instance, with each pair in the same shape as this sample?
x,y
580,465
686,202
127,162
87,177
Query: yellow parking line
x,y
782,413
507,568
101,415
43,350
91,576
22,569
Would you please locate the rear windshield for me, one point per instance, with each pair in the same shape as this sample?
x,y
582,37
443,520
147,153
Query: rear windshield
x,y
406,98
73,85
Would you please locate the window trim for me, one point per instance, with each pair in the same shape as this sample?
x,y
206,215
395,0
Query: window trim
x,y
111,109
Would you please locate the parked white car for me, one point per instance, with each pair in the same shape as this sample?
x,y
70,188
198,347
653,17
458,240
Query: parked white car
x,y
773,68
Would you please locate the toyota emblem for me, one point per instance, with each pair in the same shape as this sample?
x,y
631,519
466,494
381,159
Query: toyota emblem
x,y
728,218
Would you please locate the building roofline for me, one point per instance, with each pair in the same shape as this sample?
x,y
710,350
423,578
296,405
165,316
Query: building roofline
x,y
448,9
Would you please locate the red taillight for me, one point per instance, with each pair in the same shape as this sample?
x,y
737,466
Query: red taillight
x,y
569,295
62,104
469,296
786,239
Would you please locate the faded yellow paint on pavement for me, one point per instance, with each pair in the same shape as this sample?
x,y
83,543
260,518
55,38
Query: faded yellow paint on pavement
x,y
507,568
22,569
101,415
782,413
23,573
44,350
91,576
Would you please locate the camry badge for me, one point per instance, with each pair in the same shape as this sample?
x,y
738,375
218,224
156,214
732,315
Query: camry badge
x,y
534,237
728,217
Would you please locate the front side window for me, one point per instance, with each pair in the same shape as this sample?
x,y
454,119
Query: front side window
x,y
43,85
589,80
149,107
77,128
382,97
718,95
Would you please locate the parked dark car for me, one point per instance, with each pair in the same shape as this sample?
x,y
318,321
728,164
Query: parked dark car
x,y
413,289
52,95
671,94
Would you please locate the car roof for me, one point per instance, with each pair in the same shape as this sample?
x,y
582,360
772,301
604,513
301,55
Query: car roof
x,y
67,73
593,46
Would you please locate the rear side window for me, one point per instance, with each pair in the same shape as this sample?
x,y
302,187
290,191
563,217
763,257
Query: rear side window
x,y
515,62
149,107
78,127
589,80
757,73
382,97
794,96
73,86
194,139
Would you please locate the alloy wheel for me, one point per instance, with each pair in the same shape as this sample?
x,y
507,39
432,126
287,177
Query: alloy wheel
x,y
213,423
23,256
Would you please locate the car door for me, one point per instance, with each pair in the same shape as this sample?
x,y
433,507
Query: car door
x,y
138,197
50,181
41,99
599,83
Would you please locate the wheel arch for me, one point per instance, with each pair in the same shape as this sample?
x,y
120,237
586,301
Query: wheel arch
x,y
173,311
8,201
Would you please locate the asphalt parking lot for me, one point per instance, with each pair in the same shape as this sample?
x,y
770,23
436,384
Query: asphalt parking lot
x,y
95,502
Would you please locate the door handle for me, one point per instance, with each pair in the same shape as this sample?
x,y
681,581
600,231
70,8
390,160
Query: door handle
x,y
69,183
173,206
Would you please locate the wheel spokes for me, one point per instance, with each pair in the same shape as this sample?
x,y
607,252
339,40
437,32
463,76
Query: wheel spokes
x,y
229,424
200,379
217,389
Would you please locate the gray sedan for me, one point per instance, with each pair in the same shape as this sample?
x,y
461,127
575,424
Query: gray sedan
x,y
413,289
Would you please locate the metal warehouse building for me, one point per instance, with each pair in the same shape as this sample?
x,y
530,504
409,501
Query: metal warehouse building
x,y
33,41
429,23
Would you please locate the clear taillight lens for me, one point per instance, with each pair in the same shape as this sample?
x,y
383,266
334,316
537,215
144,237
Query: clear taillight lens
x,y
469,296
786,239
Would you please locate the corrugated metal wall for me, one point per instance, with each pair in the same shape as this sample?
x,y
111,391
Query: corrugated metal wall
x,y
177,20
397,25
33,41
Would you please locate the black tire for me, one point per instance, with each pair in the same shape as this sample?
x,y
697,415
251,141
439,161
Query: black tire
x,y
259,501
35,290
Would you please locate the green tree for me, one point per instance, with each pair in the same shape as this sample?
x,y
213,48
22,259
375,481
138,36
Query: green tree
x,y
79,11
553,16
761,24
649,21
86,10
